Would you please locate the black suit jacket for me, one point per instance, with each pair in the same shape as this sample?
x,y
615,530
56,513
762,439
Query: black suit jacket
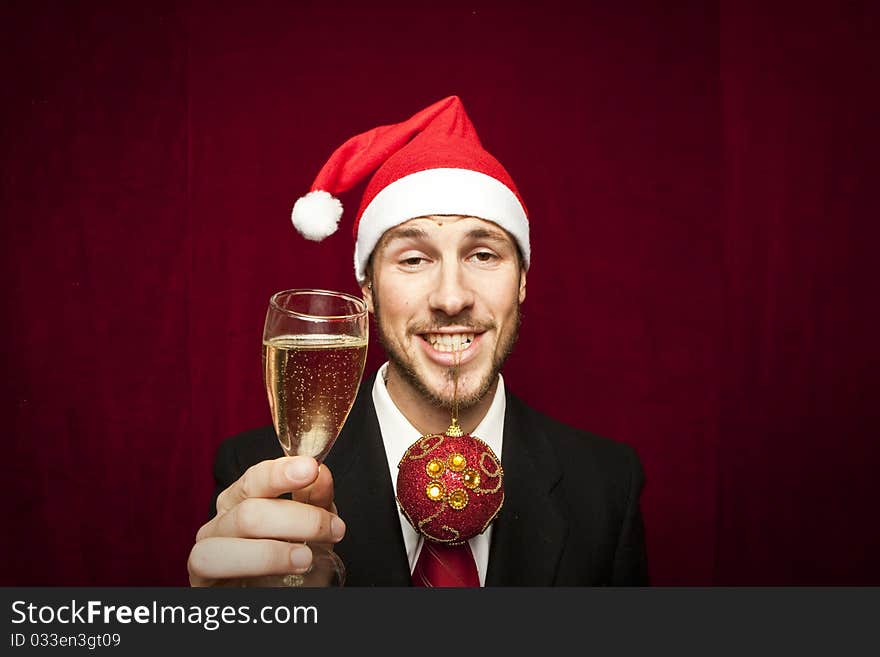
x,y
571,514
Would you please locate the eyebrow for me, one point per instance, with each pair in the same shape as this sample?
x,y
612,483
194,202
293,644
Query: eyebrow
x,y
405,233
487,234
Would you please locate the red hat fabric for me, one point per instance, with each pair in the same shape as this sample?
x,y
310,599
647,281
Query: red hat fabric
x,y
431,164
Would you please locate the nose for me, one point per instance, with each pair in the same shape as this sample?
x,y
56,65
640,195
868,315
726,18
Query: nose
x,y
451,293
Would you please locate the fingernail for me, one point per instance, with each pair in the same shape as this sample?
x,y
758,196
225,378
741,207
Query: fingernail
x,y
337,528
298,469
301,557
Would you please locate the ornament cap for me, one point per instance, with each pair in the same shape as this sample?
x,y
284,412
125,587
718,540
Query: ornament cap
x,y
454,430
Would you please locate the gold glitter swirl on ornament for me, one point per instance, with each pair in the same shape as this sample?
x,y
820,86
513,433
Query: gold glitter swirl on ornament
x,y
457,462
495,473
426,444
494,461
456,535
455,540
435,468
471,478
458,499
435,490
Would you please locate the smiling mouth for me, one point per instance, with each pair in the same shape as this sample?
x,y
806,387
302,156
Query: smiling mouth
x,y
449,342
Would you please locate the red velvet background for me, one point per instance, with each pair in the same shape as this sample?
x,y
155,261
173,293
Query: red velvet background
x,y
702,185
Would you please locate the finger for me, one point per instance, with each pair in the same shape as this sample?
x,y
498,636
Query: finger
x,y
269,479
230,558
275,518
320,492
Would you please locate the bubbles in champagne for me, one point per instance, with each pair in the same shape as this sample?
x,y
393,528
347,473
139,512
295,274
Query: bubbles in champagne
x,y
312,381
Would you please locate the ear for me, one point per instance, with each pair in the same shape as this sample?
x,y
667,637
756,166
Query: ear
x,y
522,286
367,291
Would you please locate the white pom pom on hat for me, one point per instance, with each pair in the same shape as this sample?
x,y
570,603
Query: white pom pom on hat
x,y
316,215
432,163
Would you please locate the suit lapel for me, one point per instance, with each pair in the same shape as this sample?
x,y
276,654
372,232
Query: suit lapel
x,y
373,549
529,533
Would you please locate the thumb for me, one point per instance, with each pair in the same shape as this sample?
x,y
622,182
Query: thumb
x,y
319,492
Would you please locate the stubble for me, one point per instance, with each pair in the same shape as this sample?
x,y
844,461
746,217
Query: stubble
x,y
404,365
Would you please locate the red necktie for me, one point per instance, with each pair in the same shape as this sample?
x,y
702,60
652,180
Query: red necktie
x,y
442,565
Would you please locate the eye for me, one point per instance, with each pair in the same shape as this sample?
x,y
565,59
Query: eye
x,y
484,257
413,262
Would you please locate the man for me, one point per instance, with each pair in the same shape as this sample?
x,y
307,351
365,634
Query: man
x,y
442,252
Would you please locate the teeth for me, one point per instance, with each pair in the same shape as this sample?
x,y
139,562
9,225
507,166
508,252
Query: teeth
x,y
448,343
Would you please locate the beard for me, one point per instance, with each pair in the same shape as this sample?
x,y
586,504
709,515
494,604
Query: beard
x,y
406,367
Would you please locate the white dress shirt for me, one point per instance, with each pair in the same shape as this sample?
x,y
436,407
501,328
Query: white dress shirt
x,y
398,434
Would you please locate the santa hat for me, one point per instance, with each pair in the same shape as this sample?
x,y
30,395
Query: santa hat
x,y
430,164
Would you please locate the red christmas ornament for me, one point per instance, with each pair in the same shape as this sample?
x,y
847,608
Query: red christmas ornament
x,y
450,486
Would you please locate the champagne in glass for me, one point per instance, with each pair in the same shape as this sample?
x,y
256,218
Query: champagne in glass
x,y
314,349
311,381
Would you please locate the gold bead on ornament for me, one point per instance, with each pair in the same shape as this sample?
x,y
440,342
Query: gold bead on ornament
x,y
458,499
457,462
435,491
434,468
471,478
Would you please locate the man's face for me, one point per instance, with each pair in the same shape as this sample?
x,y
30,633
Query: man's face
x,y
446,291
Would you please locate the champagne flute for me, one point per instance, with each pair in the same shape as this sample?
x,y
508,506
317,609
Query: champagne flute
x,y
314,350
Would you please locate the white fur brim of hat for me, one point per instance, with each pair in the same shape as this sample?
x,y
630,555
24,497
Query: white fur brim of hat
x,y
437,192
